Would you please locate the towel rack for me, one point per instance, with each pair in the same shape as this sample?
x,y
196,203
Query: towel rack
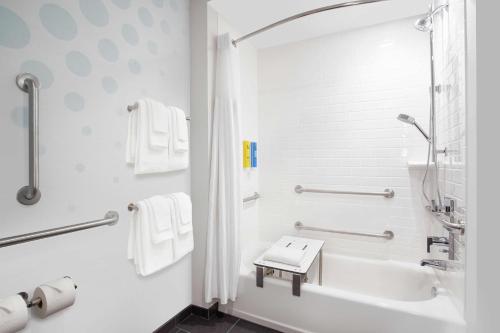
x,y
386,234
111,218
388,193
134,106
132,206
30,194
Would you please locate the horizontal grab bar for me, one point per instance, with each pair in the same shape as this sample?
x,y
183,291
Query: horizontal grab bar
x,y
111,218
133,107
386,235
255,196
388,193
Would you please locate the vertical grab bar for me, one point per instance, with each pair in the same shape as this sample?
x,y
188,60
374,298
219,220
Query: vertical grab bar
x,y
30,194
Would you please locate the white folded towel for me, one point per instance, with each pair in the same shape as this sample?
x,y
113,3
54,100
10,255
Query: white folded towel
x,y
155,243
179,129
131,146
158,119
284,255
148,159
148,257
184,212
162,213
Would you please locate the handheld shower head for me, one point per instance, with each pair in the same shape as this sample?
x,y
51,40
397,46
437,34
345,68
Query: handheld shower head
x,y
411,121
406,119
424,24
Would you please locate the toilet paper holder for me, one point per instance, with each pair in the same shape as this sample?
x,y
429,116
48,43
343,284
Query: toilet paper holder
x,y
36,301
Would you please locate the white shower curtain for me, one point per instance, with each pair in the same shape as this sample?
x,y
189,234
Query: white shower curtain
x,y
225,202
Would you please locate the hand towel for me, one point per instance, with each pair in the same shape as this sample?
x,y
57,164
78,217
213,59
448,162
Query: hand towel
x,y
179,130
131,146
148,257
148,159
162,213
284,255
158,119
184,212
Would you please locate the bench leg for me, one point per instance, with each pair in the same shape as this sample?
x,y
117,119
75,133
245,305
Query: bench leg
x,y
296,285
260,277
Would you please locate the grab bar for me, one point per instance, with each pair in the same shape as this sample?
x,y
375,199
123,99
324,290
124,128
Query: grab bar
x,y
386,234
388,193
255,196
111,218
134,106
30,194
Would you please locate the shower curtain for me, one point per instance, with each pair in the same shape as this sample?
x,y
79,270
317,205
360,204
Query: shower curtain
x,y
225,202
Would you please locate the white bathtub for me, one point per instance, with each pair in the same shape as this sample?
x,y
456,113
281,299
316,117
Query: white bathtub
x,y
358,296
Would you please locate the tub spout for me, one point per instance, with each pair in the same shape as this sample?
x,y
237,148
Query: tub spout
x,y
434,263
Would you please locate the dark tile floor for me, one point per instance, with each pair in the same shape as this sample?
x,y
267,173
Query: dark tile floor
x,y
222,323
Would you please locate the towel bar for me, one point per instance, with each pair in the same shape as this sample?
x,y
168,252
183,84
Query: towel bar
x,y
134,106
132,206
111,218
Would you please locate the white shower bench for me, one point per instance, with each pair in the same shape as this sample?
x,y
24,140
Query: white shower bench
x,y
314,248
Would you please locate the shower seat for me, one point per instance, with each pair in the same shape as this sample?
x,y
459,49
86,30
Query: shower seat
x,y
299,273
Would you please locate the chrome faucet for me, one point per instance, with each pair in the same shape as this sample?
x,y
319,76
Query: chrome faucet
x,y
435,263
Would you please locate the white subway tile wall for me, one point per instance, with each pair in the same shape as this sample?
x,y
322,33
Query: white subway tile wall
x,y
449,43
327,119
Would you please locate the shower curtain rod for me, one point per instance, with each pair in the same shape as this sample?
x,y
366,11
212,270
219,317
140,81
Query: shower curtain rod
x,y
303,14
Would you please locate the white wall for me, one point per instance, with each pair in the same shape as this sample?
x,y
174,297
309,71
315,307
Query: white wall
x,y
327,119
82,169
449,47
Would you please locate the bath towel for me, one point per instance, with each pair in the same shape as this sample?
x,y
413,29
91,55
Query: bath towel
x,y
285,255
179,130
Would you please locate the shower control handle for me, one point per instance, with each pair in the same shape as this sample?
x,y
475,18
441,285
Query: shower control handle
x,y
443,241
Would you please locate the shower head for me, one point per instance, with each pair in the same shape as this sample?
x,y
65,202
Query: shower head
x,y
424,24
411,121
406,119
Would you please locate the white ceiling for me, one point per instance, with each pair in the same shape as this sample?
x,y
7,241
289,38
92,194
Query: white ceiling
x,y
249,15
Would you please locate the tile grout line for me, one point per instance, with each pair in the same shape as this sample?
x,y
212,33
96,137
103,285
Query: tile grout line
x,y
230,328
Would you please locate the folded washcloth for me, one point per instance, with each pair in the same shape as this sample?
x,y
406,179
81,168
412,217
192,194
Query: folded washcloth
x,y
284,255
184,212
179,130
162,213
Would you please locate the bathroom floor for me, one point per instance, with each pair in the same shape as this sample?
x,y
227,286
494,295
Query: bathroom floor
x,y
222,323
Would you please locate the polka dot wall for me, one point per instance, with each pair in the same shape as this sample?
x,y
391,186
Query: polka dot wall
x,y
93,58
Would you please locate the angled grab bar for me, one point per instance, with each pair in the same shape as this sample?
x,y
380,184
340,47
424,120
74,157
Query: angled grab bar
x,y
386,235
388,193
111,218
30,194
255,196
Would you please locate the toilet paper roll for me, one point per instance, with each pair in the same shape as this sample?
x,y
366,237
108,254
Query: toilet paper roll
x,y
13,314
56,296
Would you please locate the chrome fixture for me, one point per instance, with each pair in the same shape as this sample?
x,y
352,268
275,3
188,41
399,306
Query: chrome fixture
x,y
30,194
385,235
304,14
410,120
435,263
388,193
254,197
111,218
425,24
133,207
448,243
135,106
